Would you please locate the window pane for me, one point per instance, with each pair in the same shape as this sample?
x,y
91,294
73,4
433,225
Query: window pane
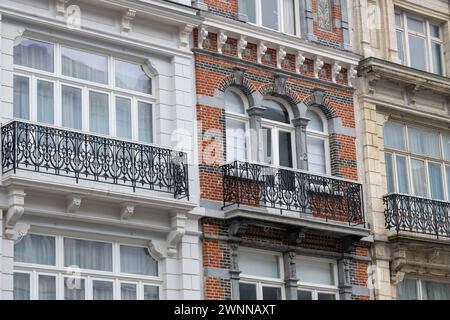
x,y
137,260
151,293
235,139
267,145
402,174
389,173
437,58
285,149
258,264
35,249
289,16
316,155
275,111
415,25
417,52
84,65
424,142
250,10
435,31
234,103
74,289
407,290
436,184
123,118
21,98
435,290
398,20
326,296
128,291
45,102
418,176
317,272
47,287
247,291
271,293
145,122
103,290
394,135
98,113
132,76
34,54
88,254
269,14
446,143
315,122
400,47
71,107
21,286
304,295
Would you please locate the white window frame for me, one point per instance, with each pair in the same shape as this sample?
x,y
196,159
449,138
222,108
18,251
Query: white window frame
x,y
322,135
61,272
419,285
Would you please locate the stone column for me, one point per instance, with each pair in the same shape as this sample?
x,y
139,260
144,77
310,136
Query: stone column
x,y
388,11
255,113
290,273
345,25
345,286
301,145
234,271
309,20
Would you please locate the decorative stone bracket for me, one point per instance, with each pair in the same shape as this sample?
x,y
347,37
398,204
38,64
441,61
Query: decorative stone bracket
x,y
221,40
60,7
127,17
335,71
73,203
184,34
177,231
16,208
262,48
299,61
281,55
126,211
241,45
318,65
202,35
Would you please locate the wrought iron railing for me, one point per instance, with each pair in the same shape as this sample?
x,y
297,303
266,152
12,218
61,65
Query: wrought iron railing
x,y
289,190
33,147
418,215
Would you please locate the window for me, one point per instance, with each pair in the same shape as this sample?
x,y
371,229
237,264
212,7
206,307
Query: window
x,y
317,279
416,161
325,15
417,289
261,277
236,126
279,15
318,145
49,267
82,90
419,43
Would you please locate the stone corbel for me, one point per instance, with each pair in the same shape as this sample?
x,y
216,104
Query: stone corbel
x,y
335,71
281,55
299,61
184,33
221,40
397,264
296,236
60,7
177,231
73,204
371,83
202,35
155,250
16,233
126,211
127,17
16,202
238,76
411,92
318,65
262,48
280,82
241,45
351,75
237,229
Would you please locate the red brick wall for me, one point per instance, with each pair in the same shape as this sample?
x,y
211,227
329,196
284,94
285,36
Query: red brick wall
x,y
333,37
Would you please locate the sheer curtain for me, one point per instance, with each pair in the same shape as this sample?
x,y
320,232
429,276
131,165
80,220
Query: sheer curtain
x,y
74,289
402,175
435,290
128,291
84,65
137,260
47,287
289,16
269,13
316,155
256,264
34,54
71,107
446,143
123,117
45,102
21,286
132,76
315,272
35,249
250,10
436,183
102,290
88,254
389,172
235,139
424,142
98,113
407,290
394,135
21,97
151,293
145,122
418,176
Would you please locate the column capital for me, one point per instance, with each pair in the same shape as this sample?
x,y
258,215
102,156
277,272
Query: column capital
x,y
256,111
300,122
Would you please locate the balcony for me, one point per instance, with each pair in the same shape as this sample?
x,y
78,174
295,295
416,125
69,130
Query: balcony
x,y
60,152
417,215
318,197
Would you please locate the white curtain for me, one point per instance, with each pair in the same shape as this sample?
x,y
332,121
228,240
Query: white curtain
x,y
316,155
446,143
315,122
102,290
235,139
47,287
267,145
418,176
84,65
85,254
21,286
98,113
128,291
250,10
234,103
71,107
258,264
407,290
45,102
132,77
34,54
424,142
151,292
35,249
435,290
402,175
394,135
21,97
436,183
145,122
389,172
315,272
137,260
123,117
289,16
74,289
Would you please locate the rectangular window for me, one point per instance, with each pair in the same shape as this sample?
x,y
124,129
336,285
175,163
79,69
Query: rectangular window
x,y
74,289
394,135
402,174
259,264
35,249
436,183
316,155
86,254
418,56
315,272
269,14
407,290
47,287
267,145
128,291
84,65
304,295
45,102
415,289
21,97
247,291
424,142
435,290
285,149
98,113
236,140
132,77
436,53
21,286
34,54
289,16
145,122
151,293
102,290
447,173
123,117
446,143
137,260
389,173
71,107
250,10
418,177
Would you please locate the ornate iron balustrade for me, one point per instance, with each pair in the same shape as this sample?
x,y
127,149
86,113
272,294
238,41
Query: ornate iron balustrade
x,y
262,186
38,148
419,215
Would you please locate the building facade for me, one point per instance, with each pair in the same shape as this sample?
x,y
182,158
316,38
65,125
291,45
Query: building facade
x,y
98,191
403,97
278,159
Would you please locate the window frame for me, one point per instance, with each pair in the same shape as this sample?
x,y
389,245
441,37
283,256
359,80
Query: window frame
x,y
419,285
321,135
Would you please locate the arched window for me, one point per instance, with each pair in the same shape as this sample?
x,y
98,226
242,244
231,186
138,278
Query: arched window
x,y
236,126
317,139
277,135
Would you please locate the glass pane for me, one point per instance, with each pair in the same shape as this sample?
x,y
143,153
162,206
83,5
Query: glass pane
x,y
123,118
318,272
435,31
417,52
315,122
258,264
407,290
151,293
316,155
271,293
400,47
275,111
88,254
35,249
235,139
437,58
84,65
402,175
267,145
21,286
132,76
446,143
269,14
71,107
436,183
34,54
304,295
398,20
74,289
145,122
234,103
98,112
247,291
102,290
289,16
128,291
394,135
285,149
137,260
326,296
435,290
415,25
250,10
45,102
47,287
424,142
21,98
418,176
447,173
389,173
